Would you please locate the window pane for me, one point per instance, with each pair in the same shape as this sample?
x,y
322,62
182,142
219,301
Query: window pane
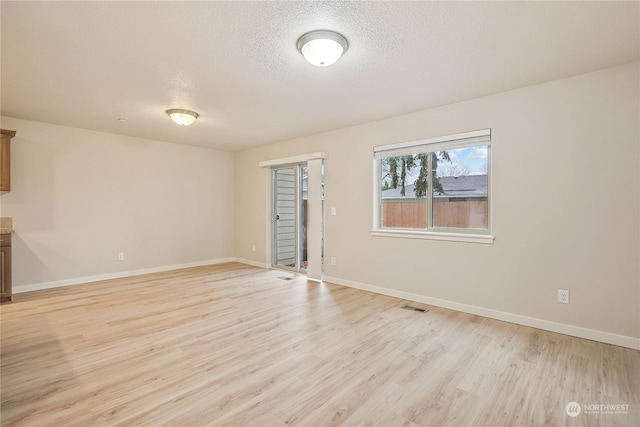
x,y
403,199
434,185
460,188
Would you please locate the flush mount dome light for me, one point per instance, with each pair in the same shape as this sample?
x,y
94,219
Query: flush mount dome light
x,y
182,117
322,47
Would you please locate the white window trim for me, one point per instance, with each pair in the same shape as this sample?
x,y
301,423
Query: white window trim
x,y
467,236
459,140
433,235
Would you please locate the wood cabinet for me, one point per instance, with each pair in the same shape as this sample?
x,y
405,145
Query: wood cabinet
x,y
5,268
5,159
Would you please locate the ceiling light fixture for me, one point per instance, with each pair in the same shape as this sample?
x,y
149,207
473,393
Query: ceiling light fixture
x,y
182,117
322,47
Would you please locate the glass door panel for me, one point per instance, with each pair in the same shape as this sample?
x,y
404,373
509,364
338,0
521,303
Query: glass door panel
x,y
285,211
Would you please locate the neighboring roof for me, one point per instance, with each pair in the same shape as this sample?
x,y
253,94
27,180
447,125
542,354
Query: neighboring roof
x,y
461,186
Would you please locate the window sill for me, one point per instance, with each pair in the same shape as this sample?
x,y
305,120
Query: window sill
x,y
432,235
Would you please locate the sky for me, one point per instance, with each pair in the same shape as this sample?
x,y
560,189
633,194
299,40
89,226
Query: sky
x,y
474,158
464,161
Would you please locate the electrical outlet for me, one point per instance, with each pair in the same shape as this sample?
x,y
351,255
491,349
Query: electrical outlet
x,y
333,211
253,248
563,296
120,256
333,260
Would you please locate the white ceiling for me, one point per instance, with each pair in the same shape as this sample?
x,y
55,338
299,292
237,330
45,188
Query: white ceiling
x,y
86,64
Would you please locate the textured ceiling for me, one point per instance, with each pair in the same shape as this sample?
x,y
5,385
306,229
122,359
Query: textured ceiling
x,y
86,64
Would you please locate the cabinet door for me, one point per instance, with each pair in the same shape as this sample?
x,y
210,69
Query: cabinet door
x,y
2,271
5,273
5,167
5,159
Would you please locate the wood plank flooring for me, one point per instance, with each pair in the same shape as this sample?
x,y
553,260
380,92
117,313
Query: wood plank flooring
x,y
233,345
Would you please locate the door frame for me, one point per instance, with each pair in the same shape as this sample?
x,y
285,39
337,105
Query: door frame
x,y
317,228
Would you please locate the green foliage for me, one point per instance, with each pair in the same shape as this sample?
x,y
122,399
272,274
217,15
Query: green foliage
x,y
421,183
396,169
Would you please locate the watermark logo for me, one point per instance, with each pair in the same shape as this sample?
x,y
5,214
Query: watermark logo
x,y
573,409
609,409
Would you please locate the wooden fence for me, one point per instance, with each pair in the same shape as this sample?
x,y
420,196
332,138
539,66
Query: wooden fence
x,y
465,212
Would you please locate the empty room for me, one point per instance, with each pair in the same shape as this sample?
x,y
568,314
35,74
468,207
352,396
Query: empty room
x,y
320,213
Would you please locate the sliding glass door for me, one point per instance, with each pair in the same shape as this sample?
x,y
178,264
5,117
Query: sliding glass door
x,y
289,217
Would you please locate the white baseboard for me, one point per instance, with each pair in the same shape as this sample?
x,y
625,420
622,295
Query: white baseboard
x,y
118,275
576,331
252,263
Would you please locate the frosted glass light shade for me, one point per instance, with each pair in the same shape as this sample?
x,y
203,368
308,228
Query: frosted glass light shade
x,y
322,47
182,117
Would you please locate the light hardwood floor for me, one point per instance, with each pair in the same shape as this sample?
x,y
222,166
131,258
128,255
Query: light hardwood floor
x,y
236,345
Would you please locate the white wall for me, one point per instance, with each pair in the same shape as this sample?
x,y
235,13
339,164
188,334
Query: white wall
x,y
565,204
566,196
79,197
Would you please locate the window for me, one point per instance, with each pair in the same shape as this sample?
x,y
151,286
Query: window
x,y
434,188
